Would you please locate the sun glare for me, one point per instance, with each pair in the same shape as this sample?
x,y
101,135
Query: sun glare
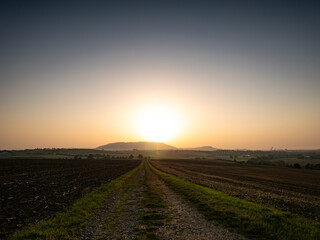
x,y
158,123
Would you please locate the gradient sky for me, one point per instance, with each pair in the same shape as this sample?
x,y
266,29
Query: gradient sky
x,y
239,74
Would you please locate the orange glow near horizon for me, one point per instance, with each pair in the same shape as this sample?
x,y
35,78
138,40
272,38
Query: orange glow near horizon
x,y
190,75
184,106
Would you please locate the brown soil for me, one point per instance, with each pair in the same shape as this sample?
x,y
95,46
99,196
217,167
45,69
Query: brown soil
x,y
34,189
294,190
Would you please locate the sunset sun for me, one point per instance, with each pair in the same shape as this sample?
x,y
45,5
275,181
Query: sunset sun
x,y
157,123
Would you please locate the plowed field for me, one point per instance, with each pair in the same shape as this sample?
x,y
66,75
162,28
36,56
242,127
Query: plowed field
x,y
34,189
294,190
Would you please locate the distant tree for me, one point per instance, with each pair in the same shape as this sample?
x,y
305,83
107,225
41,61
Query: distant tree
x,y
131,156
90,156
313,166
296,165
308,166
140,156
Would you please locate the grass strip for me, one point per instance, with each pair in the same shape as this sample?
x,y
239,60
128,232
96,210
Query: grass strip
x,y
253,220
64,224
154,205
113,219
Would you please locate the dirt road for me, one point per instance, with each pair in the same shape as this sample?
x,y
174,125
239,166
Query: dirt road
x,y
145,208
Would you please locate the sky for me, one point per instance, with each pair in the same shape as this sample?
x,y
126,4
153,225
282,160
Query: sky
x,y
230,74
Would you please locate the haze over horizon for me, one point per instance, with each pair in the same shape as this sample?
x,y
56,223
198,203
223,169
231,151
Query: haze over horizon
x,y
188,73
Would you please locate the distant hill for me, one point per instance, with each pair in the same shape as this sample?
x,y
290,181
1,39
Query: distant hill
x,y
204,148
128,146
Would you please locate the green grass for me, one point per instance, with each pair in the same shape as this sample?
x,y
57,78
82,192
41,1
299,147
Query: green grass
x,y
250,219
113,219
154,204
64,224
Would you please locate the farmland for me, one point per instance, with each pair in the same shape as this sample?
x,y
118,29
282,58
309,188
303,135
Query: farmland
x,y
34,189
102,198
272,158
294,190
146,203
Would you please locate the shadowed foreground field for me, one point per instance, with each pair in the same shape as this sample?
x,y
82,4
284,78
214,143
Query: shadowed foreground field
x,y
294,190
146,203
34,189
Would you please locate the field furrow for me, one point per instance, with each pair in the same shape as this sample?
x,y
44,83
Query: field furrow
x,y
293,190
146,203
36,189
